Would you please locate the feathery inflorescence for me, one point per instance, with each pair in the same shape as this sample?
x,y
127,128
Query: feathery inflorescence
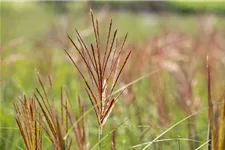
x,y
29,122
55,124
104,69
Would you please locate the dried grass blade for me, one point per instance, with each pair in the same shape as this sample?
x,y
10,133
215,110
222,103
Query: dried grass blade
x,y
84,59
113,146
46,104
46,115
62,104
107,43
109,53
60,137
75,130
87,51
79,72
120,72
95,62
95,106
210,108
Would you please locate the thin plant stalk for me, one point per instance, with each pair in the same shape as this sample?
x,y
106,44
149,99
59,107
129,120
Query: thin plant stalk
x,y
210,111
103,68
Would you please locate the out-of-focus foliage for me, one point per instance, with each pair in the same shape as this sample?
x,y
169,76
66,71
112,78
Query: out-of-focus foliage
x,y
208,6
34,34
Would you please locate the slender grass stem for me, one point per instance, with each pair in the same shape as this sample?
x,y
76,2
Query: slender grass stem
x,y
99,138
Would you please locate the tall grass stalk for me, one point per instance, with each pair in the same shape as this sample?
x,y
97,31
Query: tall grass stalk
x,y
29,122
210,108
104,69
55,125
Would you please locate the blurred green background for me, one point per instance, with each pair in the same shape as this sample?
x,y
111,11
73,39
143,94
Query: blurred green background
x,y
34,34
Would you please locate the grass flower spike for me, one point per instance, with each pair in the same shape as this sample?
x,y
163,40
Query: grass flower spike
x,y
104,69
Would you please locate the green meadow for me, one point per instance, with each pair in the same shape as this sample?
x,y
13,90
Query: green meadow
x,y
169,77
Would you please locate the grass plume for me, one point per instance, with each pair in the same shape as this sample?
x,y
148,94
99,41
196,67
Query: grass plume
x,y
56,124
104,69
29,122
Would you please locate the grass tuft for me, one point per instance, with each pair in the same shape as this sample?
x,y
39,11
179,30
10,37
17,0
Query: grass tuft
x,y
29,122
104,70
